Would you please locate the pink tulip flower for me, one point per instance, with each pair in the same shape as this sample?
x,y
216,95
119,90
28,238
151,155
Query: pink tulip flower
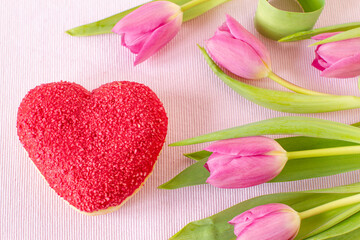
x,y
149,28
235,49
244,162
267,222
338,59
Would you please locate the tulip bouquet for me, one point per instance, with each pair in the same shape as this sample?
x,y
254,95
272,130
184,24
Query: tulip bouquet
x,y
242,158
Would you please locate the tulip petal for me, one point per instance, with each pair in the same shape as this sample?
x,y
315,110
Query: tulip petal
x,y
267,222
228,171
159,38
246,146
236,56
345,68
319,63
142,20
335,51
224,30
239,32
134,42
324,35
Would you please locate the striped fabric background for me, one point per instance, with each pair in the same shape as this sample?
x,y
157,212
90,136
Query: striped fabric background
x,y
34,49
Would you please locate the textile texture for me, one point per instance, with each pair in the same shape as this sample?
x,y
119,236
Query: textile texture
x,y
35,49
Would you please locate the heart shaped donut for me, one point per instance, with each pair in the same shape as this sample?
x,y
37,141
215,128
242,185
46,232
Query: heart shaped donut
x,y
95,149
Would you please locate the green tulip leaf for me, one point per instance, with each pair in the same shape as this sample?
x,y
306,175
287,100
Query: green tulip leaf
x,y
197,156
353,33
106,25
99,27
195,174
275,23
216,227
308,34
305,126
351,235
296,169
343,230
284,101
305,168
332,218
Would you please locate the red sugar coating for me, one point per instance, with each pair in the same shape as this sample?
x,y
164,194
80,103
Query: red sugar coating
x,y
94,149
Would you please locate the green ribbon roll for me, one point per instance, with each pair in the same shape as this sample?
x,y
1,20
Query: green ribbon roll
x,y
275,23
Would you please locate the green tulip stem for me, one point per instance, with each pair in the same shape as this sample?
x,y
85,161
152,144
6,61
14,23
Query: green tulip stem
x,y
343,202
292,86
191,4
323,152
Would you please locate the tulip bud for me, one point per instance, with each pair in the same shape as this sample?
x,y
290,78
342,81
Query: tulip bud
x,y
337,59
149,28
267,222
244,162
235,49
